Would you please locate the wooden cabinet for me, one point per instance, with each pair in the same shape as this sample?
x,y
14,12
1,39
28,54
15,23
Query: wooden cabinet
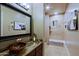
x,y
31,53
38,51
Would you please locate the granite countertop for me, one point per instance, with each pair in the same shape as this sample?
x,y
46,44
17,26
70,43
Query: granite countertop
x,y
25,51
30,48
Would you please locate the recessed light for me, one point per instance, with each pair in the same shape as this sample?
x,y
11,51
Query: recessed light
x,y
47,7
56,13
28,6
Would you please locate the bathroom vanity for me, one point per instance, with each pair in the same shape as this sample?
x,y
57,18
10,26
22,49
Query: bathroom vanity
x,y
17,25
34,49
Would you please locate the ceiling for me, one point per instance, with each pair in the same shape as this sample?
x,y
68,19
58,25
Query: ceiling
x,y
58,8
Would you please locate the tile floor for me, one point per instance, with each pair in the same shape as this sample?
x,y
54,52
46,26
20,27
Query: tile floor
x,y
54,46
53,50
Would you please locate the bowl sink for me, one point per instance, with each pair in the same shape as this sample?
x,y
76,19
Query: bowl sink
x,y
16,47
29,43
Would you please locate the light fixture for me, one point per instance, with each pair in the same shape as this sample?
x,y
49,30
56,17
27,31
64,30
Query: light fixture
x,y
56,13
47,7
27,6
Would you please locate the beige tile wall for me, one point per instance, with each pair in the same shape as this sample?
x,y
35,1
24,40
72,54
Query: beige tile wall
x,y
58,31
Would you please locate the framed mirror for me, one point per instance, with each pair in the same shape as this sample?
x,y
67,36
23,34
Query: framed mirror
x,y
73,24
14,22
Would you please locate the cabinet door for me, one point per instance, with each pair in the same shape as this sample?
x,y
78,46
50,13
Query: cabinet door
x,y
31,53
39,50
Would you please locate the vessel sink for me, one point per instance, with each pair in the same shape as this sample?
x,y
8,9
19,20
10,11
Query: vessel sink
x,y
16,47
29,43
